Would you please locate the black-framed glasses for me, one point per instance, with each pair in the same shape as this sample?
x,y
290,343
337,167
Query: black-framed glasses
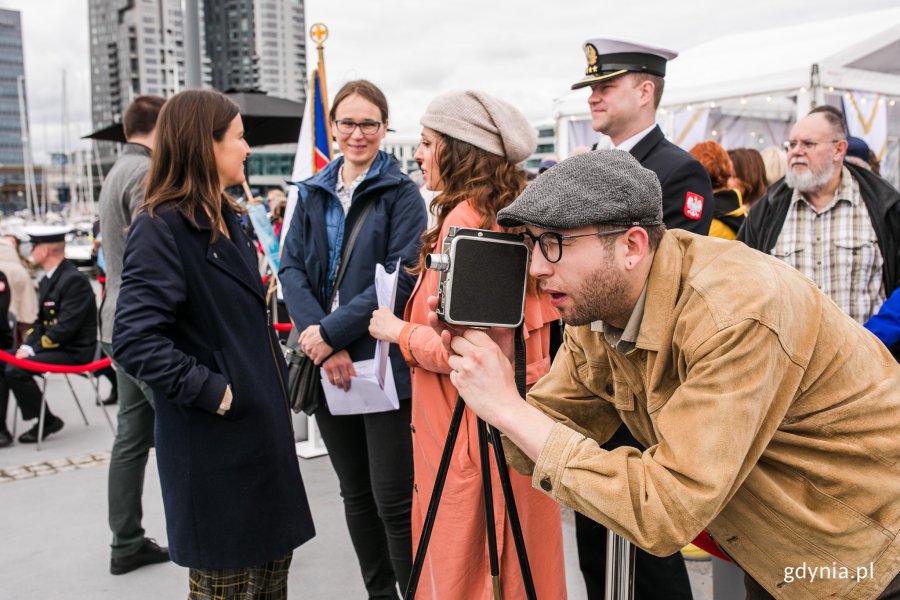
x,y
804,145
347,127
551,243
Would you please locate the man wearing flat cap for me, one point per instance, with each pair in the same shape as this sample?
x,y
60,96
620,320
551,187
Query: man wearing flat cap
x,y
65,332
626,81
769,416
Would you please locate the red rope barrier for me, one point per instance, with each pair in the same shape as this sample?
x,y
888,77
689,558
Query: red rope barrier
x,y
282,326
39,367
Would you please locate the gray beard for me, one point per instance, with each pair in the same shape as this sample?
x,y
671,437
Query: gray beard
x,y
810,181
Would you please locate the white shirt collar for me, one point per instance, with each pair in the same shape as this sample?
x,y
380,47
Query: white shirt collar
x,y
631,142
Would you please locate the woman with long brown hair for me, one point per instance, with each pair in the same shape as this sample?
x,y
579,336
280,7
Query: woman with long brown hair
x,y
471,145
192,323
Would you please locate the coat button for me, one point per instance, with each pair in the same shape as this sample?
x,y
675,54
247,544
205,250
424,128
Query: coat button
x,y
412,428
215,255
732,539
609,389
416,488
546,485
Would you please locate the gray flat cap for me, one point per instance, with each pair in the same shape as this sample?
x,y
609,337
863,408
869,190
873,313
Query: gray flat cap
x,y
599,187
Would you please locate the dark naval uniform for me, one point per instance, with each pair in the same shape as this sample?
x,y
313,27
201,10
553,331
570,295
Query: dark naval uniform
x,y
687,191
687,204
65,332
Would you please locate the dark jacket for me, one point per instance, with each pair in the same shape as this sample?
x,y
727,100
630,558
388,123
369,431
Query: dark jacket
x,y
6,332
683,180
67,315
391,231
763,226
191,318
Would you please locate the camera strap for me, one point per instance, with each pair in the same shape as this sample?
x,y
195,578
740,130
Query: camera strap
x,y
520,359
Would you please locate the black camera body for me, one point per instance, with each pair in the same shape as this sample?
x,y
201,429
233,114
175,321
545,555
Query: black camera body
x,y
482,278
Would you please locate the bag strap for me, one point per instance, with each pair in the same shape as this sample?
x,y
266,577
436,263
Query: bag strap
x,y
348,249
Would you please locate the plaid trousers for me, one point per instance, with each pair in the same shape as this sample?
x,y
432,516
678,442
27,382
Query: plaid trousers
x,y
264,582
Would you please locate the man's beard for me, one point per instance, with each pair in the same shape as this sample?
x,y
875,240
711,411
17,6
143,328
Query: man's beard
x,y
809,181
602,296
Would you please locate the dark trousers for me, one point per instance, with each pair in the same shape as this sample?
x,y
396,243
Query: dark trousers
x,y
125,486
758,592
663,578
26,389
372,456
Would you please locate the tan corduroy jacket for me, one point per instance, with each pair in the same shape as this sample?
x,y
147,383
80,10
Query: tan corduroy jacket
x,y
770,418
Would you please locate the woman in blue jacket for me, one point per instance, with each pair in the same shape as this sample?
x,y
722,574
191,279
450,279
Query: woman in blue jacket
x,y
191,322
371,453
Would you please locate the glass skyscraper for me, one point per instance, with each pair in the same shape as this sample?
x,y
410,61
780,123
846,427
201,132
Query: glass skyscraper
x,y
12,66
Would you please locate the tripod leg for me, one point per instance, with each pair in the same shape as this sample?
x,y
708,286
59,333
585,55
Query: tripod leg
x,y
514,523
620,557
439,481
489,508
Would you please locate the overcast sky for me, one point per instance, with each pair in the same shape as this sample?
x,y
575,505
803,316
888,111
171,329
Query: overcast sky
x,y
526,51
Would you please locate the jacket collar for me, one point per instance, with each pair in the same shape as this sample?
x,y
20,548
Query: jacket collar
x,y
139,149
383,170
643,147
231,256
663,286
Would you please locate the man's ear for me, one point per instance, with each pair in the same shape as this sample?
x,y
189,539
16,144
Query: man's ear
x,y
637,246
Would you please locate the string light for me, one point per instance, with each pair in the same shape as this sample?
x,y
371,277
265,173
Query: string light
x,y
714,133
743,101
712,104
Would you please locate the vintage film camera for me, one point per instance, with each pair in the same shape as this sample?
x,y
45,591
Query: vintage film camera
x,y
482,278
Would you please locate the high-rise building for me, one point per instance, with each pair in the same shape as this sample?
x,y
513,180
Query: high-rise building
x,y
137,47
12,69
257,45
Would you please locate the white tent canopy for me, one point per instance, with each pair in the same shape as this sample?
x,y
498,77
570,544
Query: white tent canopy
x,y
766,79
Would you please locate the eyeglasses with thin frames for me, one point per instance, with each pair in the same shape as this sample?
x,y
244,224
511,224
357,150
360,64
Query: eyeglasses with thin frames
x,y
347,127
804,145
550,242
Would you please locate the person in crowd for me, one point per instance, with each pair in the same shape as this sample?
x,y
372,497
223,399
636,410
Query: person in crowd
x,y
729,207
750,173
64,333
836,223
277,202
371,453
23,302
626,82
121,196
775,161
795,459
471,145
547,163
191,322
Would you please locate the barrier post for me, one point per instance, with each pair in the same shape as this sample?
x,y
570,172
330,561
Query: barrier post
x,y
313,446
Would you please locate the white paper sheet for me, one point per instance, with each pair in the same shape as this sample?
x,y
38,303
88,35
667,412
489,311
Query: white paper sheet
x,y
386,292
365,394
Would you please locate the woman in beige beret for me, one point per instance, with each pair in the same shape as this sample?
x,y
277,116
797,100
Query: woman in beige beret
x,y
471,146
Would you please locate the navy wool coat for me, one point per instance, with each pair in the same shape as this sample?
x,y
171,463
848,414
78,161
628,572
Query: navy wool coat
x,y
390,231
191,318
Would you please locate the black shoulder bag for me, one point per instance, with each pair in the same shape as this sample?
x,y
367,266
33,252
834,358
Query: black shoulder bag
x,y
304,379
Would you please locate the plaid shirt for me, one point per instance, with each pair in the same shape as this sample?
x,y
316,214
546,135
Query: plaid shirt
x,y
836,248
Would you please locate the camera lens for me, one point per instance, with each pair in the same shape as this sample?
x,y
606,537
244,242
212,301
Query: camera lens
x,y
437,262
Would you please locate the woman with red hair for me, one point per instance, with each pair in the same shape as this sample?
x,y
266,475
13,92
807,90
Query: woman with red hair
x,y
729,212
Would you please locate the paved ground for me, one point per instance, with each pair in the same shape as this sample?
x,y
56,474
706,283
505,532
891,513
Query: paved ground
x,y
55,537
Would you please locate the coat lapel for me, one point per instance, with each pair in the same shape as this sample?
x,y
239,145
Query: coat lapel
x,y
643,147
230,257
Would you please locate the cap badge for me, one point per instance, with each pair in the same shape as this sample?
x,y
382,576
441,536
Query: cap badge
x,y
591,53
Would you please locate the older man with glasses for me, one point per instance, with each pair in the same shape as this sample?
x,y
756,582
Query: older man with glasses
x,y
836,223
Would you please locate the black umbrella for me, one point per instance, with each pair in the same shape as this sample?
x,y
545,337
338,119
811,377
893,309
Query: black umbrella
x,y
267,120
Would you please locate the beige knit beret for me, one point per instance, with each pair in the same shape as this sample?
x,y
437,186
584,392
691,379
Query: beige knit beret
x,y
484,121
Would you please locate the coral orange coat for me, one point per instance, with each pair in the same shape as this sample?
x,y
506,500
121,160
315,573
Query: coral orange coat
x,y
456,565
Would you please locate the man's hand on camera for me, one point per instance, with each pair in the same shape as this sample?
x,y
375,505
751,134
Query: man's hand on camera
x,y
485,379
313,345
385,325
502,336
339,369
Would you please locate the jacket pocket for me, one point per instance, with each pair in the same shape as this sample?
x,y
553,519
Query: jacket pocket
x,y
222,367
600,381
855,258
